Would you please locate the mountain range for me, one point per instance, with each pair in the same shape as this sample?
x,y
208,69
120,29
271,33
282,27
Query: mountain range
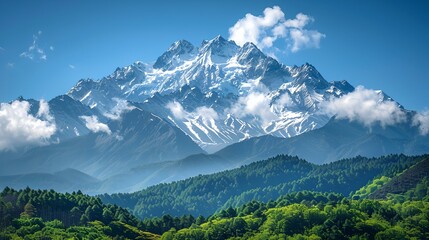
x,y
197,110
216,93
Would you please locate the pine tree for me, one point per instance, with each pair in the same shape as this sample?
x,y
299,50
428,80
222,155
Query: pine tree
x,y
29,211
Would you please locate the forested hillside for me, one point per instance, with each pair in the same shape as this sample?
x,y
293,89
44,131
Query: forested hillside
x,y
37,214
310,215
416,175
264,180
282,197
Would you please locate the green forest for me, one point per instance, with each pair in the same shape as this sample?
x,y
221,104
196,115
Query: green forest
x,y
309,215
264,180
280,198
37,214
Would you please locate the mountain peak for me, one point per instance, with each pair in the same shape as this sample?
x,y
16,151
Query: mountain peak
x,y
177,50
181,46
219,46
250,53
308,74
249,45
219,38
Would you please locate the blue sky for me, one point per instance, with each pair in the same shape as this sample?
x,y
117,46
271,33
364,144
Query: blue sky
x,y
377,44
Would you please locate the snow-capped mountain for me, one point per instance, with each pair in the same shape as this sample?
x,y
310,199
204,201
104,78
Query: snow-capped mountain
x,y
219,93
150,123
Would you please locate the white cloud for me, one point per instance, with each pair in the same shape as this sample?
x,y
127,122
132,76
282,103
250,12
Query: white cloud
x,y
44,111
300,21
19,128
51,48
92,123
10,65
365,106
176,109
250,28
72,66
421,119
265,30
255,104
120,107
34,51
304,39
284,101
206,113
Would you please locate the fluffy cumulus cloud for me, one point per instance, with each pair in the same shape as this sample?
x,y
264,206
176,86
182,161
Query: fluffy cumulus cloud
x,y
255,104
252,28
301,38
265,30
421,120
19,128
365,106
121,107
92,123
34,51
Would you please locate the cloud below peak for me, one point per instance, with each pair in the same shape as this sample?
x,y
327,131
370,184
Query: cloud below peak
x,y
365,106
19,128
177,110
256,104
206,113
121,107
92,123
421,119
265,30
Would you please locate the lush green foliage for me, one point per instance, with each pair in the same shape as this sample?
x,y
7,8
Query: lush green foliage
x,y
36,228
317,216
37,214
264,180
370,188
162,224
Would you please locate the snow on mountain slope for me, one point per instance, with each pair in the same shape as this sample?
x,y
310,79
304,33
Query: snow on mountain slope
x,y
219,93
